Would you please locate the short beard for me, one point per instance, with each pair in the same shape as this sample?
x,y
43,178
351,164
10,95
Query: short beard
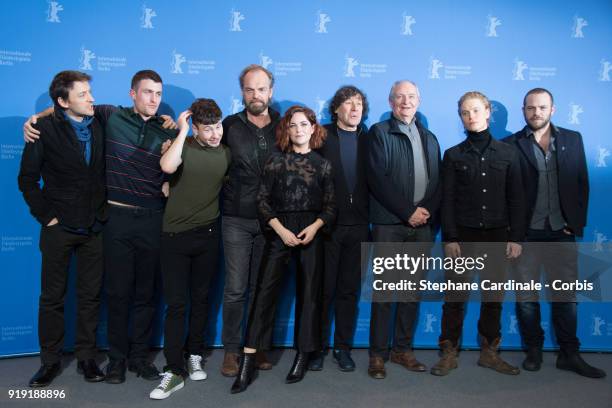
x,y
255,109
544,124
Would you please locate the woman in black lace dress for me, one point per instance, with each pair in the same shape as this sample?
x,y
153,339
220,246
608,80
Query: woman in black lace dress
x,y
296,199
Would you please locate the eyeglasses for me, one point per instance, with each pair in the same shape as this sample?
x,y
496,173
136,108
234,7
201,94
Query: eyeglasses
x,y
262,143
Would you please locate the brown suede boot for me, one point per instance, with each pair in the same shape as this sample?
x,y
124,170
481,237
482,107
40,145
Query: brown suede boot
x,y
261,361
230,366
448,361
376,368
407,360
490,358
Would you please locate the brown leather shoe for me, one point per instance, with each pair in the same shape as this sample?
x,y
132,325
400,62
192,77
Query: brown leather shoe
x,y
261,361
230,366
408,360
376,368
448,359
489,358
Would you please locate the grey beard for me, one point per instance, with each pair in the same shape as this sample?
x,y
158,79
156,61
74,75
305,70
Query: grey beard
x,y
255,109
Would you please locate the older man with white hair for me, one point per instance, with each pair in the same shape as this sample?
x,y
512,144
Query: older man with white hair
x,y
403,162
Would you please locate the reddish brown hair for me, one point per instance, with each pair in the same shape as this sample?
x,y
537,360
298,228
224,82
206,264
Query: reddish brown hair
x,y
283,141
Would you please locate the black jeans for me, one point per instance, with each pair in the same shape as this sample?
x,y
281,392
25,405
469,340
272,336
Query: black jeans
x,y
453,312
57,246
341,283
189,261
243,245
405,318
562,261
131,254
309,262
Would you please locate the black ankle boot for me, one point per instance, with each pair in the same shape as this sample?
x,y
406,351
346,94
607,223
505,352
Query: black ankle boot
x,y
246,373
533,360
300,364
572,361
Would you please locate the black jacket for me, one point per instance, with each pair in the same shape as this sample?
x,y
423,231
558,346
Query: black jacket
x,y
250,148
482,190
351,201
390,173
73,192
572,175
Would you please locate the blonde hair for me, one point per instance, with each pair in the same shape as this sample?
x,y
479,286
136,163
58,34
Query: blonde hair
x,y
473,95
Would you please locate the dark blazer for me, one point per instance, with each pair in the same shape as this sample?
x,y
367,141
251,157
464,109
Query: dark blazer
x,y
352,206
390,173
73,191
572,175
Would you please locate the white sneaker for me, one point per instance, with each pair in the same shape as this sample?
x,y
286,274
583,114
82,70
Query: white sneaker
x,y
170,382
194,366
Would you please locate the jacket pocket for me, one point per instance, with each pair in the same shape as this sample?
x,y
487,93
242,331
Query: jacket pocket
x,y
464,173
499,170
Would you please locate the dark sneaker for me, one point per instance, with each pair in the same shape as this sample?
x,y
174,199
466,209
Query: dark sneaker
x,y
145,370
315,363
344,360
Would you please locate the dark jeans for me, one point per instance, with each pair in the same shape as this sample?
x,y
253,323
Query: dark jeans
x,y
132,247
57,247
189,261
382,314
309,263
341,283
453,310
562,261
243,244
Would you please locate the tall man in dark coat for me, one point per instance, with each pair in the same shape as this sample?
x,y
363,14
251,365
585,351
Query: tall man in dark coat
x,y
70,206
556,191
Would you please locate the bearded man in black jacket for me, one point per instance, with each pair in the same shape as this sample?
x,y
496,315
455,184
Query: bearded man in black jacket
x,y
555,177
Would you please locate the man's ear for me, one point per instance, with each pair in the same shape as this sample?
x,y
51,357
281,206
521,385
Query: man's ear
x,y
62,102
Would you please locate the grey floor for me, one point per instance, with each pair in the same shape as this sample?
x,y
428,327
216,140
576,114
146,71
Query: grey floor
x,y
468,386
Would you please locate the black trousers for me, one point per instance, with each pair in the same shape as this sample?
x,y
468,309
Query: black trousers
x,y
189,261
559,258
453,310
243,246
404,317
341,283
132,248
309,262
57,247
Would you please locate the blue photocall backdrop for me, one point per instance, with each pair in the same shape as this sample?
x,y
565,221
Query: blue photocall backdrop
x,y
199,47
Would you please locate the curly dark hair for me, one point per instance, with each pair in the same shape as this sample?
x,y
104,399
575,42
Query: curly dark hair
x,y
283,141
205,112
344,93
